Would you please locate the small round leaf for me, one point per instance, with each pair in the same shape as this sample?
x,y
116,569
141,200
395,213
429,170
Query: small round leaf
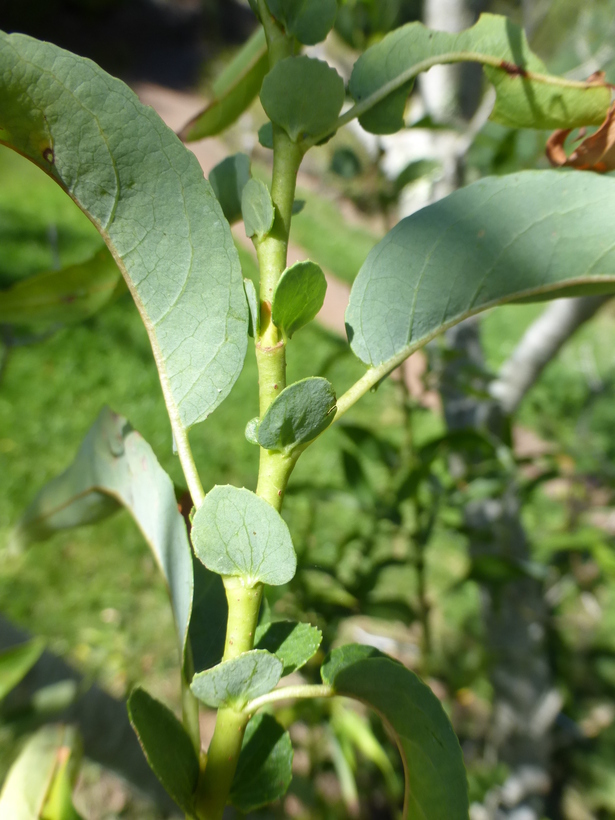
x,y
300,413
302,95
235,532
308,20
298,297
235,682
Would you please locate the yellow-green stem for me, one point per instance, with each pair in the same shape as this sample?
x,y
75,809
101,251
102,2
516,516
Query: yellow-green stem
x,y
223,754
274,468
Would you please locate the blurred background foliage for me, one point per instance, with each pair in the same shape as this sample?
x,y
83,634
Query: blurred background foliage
x,y
377,512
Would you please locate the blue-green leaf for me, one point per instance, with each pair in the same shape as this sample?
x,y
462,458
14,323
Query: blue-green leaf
x,y
233,91
233,683
308,20
116,466
16,662
264,770
60,297
167,747
435,777
228,179
298,297
293,643
257,209
303,96
528,236
527,97
300,413
146,194
235,532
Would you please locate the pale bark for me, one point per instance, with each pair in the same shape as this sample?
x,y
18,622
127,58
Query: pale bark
x,y
540,343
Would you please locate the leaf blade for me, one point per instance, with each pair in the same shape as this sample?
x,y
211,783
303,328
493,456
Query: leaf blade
x,y
293,643
234,682
16,662
298,297
526,95
298,415
146,195
116,465
531,235
234,91
59,297
435,777
167,747
303,96
236,533
264,770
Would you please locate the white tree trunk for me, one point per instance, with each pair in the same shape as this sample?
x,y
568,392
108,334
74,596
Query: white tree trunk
x,y
540,343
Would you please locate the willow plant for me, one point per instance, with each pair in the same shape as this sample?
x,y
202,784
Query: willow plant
x,y
527,236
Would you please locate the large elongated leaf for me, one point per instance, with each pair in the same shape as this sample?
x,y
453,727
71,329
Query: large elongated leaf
x,y
234,90
264,770
30,791
167,747
60,297
526,95
115,464
146,194
433,766
529,236
16,662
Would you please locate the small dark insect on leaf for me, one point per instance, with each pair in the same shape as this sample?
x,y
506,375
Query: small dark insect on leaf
x,y
512,69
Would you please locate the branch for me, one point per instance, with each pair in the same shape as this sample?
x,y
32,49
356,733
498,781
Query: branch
x,y
540,343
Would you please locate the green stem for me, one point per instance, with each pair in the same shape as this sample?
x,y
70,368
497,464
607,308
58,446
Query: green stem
x,y
186,459
274,468
223,753
317,690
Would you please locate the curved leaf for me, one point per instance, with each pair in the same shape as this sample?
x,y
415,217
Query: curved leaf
x,y
234,90
264,770
60,297
300,413
145,193
30,791
527,97
528,236
233,683
303,96
115,465
167,747
16,662
234,532
433,765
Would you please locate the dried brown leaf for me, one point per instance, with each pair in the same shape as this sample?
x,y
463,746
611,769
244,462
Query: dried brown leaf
x,y
594,153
